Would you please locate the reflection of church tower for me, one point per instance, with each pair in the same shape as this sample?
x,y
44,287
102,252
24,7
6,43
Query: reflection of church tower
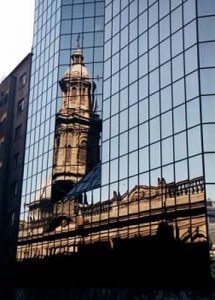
x,y
77,128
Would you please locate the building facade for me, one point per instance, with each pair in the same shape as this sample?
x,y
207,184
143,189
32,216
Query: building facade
x,y
59,26
157,130
14,92
158,76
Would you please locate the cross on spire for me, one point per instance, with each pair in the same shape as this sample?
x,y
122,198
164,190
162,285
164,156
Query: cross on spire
x,y
78,40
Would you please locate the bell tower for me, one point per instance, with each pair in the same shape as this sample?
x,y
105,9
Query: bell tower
x,y
76,87
77,130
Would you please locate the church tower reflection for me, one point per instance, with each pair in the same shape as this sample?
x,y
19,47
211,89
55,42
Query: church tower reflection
x,y
77,128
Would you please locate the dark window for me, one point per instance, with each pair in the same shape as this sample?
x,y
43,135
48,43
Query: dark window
x,y
14,188
18,132
82,152
3,98
68,153
73,91
22,80
20,106
16,159
1,143
11,219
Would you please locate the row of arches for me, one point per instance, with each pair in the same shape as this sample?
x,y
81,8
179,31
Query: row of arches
x,y
82,91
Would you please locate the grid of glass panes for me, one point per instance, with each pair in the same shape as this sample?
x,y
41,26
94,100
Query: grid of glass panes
x,y
42,104
83,20
58,25
206,48
82,25
151,109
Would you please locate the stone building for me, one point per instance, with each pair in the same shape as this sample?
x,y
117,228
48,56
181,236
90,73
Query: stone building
x,y
14,97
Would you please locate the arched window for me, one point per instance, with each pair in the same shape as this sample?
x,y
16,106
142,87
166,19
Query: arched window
x,y
83,95
82,152
74,91
68,153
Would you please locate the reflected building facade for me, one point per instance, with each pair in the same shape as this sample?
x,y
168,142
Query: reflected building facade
x,y
65,100
129,216
157,98
77,129
157,149
158,76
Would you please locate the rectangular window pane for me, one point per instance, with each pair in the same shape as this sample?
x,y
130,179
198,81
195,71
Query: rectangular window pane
x,y
207,57
207,81
206,29
206,7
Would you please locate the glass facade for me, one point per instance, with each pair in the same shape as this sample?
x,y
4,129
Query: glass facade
x,y
158,94
158,81
42,102
149,105
156,99
60,28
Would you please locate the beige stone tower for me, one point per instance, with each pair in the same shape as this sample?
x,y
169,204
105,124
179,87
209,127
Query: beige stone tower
x,y
77,128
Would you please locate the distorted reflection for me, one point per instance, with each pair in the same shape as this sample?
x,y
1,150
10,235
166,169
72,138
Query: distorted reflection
x,y
77,128
141,210
76,148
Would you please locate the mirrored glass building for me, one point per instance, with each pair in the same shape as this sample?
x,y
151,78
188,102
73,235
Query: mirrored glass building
x,y
139,74
64,118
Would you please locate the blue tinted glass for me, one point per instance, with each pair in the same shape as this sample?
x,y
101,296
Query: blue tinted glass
x,y
207,81
208,108
206,26
206,7
207,57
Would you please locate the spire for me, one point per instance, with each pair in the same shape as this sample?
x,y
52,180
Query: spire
x,y
77,67
78,40
77,56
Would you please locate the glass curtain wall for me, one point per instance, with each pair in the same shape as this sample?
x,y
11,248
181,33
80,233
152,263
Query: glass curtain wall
x,y
42,104
157,148
158,74
206,47
67,71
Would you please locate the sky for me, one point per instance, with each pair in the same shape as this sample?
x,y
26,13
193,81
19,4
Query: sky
x,y
16,33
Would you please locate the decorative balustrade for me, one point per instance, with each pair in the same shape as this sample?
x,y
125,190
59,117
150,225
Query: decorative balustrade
x,y
183,188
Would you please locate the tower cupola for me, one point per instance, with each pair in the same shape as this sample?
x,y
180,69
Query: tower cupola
x,y
77,69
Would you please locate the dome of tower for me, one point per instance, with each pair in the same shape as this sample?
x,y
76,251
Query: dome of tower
x,y
77,68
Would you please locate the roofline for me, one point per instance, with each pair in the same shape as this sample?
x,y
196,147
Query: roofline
x,y
30,54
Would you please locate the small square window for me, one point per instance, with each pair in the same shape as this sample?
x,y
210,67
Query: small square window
x,y
22,80
16,159
3,98
18,132
1,142
11,219
20,106
14,188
